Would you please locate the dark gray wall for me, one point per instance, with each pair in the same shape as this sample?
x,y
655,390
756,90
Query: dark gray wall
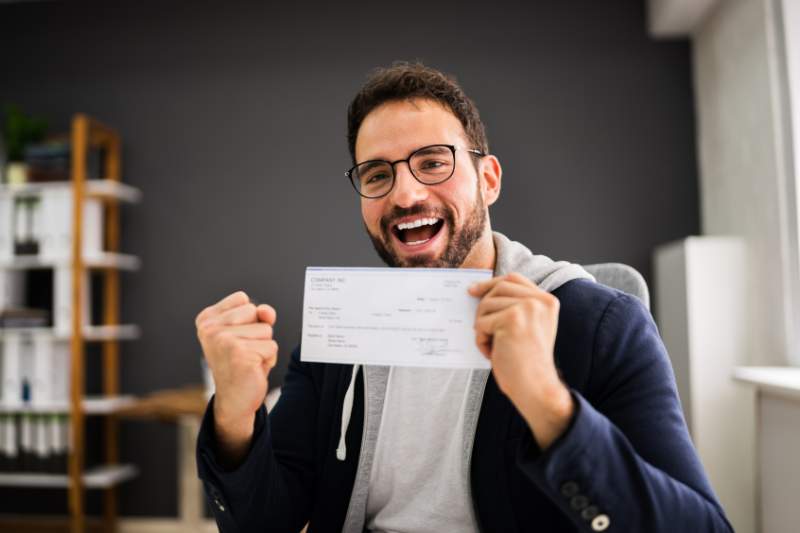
x,y
233,118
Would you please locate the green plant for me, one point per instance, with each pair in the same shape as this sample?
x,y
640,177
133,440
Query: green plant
x,y
20,130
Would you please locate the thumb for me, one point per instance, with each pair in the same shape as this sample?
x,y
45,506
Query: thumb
x,y
266,313
268,364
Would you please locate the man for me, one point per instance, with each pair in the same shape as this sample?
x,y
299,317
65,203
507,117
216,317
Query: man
x,y
577,427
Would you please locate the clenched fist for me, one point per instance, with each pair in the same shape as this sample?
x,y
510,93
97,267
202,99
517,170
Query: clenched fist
x,y
236,337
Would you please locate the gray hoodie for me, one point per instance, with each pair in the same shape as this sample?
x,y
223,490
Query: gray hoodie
x,y
511,257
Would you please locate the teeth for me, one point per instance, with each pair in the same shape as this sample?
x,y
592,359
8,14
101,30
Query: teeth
x,y
413,243
417,223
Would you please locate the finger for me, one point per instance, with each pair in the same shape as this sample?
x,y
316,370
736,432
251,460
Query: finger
x,y
232,300
482,287
244,314
479,288
516,277
258,330
484,344
268,363
491,304
511,289
267,313
265,349
488,323
491,323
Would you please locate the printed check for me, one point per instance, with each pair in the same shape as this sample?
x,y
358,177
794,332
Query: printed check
x,y
391,316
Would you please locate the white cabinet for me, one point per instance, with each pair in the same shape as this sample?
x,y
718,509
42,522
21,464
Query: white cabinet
x,y
702,313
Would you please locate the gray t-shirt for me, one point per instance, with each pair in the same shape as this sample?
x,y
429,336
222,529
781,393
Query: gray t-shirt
x,y
419,481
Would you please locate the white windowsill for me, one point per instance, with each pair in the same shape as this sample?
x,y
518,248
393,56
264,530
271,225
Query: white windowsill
x,y
780,380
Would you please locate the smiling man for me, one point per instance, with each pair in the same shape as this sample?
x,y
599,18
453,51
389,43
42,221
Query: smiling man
x,y
418,225
577,427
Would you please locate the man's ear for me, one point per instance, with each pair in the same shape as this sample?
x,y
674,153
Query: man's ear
x,y
490,178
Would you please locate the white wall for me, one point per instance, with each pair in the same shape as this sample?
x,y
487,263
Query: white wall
x,y
789,12
745,162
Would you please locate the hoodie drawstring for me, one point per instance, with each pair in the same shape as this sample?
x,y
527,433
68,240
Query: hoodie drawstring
x,y
347,410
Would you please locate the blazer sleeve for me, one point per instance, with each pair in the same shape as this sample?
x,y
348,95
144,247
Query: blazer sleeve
x,y
271,490
626,463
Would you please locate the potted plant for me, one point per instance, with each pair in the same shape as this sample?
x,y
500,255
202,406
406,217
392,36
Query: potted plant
x,y
19,130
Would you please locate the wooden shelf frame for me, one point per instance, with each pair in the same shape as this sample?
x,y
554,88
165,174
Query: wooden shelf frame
x,y
87,133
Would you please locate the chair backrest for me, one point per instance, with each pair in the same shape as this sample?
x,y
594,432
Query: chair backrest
x,y
622,277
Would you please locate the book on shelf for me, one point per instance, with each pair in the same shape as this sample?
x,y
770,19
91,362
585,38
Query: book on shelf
x,y
34,442
51,161
34,369
24,317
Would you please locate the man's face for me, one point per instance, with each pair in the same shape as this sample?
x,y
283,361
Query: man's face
x,y
456,207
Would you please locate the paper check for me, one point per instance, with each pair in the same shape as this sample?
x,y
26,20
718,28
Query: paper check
x,y
391,316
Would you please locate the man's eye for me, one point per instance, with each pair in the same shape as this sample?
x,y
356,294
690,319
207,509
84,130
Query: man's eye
x,y
375,178
432,164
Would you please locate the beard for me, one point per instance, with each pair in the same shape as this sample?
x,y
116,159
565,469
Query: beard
x,y
460,241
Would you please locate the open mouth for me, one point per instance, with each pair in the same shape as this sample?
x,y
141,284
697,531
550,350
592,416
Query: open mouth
x,y
418,231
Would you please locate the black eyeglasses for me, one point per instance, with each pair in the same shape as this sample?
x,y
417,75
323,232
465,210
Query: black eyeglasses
x,y
430,165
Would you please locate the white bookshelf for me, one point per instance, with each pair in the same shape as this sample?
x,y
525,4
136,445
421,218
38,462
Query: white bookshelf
x,y
103,189
120,332
92,405
93,261
73,228
101,477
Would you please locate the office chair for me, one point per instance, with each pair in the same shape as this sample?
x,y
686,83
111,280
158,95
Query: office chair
x,y
622,277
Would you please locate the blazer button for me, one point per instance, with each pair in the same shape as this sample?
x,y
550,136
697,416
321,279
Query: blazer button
x,y
578,502
569,489
590,512
601,522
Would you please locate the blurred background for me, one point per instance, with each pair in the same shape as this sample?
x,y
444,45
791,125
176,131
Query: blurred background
x,y
655,133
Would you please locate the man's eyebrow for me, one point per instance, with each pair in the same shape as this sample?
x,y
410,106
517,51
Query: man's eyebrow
x,y
369,165
436,149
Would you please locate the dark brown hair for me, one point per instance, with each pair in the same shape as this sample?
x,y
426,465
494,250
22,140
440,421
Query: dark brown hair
x,y
405,81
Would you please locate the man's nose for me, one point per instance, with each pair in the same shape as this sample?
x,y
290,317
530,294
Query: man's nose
x,y
407,191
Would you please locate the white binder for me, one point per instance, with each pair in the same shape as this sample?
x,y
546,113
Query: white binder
x,y
11,386
41,380
59,371
10,442
12,284
6,225
62,300
27,351
56,223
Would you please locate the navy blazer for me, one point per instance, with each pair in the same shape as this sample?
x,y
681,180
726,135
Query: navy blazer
x,y
626,454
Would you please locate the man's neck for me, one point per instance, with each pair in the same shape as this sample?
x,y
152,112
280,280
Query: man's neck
x,y
483,254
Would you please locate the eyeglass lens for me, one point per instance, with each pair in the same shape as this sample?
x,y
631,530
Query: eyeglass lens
x,y
430,165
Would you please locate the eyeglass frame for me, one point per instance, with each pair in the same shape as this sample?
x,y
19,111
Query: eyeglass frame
x,y
407,160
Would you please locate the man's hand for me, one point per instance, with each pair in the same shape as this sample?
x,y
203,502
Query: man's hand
x,y
236,336
515,328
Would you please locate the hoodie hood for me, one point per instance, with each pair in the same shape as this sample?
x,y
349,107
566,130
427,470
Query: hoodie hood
x,y
547,274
